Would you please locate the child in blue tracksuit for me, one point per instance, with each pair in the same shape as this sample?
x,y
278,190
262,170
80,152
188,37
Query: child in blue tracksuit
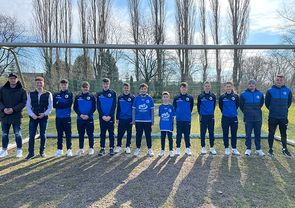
x,y
206,106
229,104
62,102
124,118
106,105
166,114
143,117
84,106
183,106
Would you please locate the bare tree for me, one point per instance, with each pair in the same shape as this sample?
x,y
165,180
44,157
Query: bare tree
x,y
185,26
239,21
215,31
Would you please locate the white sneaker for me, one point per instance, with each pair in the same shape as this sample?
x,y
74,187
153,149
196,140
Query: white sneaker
x,y
161,153
171,153
3,153
203,151
127,150
58,153
136,152
188,151
213,151
177,151
19,153
69,153
80,152
226,151
150,152
248,152
235,152
260,153
117,149
91,151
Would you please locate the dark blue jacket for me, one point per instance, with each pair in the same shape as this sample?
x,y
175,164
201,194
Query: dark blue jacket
x,y
62,102
250,105
183,106
206,104
278,100
124,106
229,104
106,103
85,104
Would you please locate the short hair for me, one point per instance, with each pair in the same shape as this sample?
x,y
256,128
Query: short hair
x,y
183,84
64,81
207,82
126,84
39,78
85,84
106,80
143,85
228,83
280,76
165,93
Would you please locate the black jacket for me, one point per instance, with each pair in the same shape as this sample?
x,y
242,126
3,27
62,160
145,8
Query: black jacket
x,y
14,98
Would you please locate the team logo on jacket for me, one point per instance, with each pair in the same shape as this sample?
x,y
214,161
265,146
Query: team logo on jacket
x,y
129,99
66,96
147,101
88,98
257,96
210,98
284,93
187,99
233,98
109,95
169,110
165,115
143,107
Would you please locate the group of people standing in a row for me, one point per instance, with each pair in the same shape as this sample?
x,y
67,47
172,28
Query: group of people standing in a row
x,y
128,109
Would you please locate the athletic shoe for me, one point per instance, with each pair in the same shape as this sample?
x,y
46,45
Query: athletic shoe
x,y
248,152
3,153
286,152
136,152
188,151
270,153
127,150
69,153
19,153
235,152
171,153
117,149
42,154
260,153
161,153
30,156
102,152
150,152
213,151
226,151
203,151
80,152
177,153
58,153
91,151
112,151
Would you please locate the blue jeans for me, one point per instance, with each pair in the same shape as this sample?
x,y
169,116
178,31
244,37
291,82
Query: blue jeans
x,y
17,135
249,126
32,131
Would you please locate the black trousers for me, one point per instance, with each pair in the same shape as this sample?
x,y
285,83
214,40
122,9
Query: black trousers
x,y
124,125
163,139
207,122
104,127
232,123
145,127
64,125
183,127
272,127
88,126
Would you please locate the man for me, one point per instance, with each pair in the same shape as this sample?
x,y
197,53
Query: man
x,y
39,106
278,99
124,118
251,102
62,102
12,101
106,105
206,106
183,105
229,104
85,106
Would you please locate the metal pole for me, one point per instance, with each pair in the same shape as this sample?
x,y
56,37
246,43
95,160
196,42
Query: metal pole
x,y
18,67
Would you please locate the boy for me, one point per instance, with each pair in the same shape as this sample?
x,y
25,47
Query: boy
x,y
143,117
84,106
166,114
183,105
106,104
62,102
124,118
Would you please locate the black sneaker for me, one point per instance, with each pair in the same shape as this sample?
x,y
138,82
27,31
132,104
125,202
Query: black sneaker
x,y
30,156
286,152
112,151
270,153
102,152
